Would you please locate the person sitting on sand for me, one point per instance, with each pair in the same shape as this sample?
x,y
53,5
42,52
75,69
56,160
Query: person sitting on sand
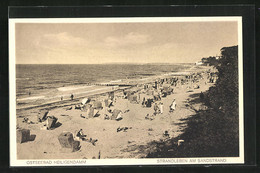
x,y
166,134
106,117
82,116
173,106
156,108
26,120
81,135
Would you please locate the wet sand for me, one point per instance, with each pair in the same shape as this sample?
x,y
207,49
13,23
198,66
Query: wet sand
x,y
110,144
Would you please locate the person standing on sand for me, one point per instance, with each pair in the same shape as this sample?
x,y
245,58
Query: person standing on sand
x,y
155,108
61,98
161,108
71,96
201,96
143,102
173,106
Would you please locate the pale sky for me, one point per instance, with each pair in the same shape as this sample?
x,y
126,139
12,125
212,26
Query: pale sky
x,y
92,43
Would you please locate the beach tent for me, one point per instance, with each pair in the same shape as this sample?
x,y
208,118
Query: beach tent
x,y
133,99
111,95
156,96
66,141
166,90
166,85
116,114
128,93
51,121
150,92
42,115
95,113
85,107
85,100
97,105
108,102
91,112
22,135
142,96
149,97
119,116
149,101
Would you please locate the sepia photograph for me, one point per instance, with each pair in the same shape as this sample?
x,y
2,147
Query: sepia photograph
x,y
126,91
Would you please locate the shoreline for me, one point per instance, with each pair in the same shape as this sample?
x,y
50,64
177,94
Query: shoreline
x,y
111,144
81,92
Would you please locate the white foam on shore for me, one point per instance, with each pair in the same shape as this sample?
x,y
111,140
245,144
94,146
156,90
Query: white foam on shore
x,y
115,81
31,98
177,73
21,78
98,89
145,79
83,92
70,88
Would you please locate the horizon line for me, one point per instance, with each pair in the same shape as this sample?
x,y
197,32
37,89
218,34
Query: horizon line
x,y
104,63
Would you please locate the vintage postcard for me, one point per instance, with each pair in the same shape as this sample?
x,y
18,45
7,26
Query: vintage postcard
x,y
126,91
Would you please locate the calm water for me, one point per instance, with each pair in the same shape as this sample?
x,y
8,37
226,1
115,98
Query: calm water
x,y
37,78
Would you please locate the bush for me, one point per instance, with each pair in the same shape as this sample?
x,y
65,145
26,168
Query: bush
x,y
213,132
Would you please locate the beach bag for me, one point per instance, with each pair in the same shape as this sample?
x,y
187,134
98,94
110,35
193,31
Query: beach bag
x,y
22,135
51,121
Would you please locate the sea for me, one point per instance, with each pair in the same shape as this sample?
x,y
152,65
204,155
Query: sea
x,y
34,81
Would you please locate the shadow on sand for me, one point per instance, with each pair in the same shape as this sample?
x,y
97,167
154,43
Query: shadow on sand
x,y
58,124
207,134
32,137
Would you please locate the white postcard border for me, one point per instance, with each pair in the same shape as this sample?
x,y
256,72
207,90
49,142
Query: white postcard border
x,y
99,162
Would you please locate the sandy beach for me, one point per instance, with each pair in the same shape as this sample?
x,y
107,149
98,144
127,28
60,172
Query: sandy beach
x,y
110,143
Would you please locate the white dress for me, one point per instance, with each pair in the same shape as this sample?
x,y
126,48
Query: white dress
x,y
161,109
173,106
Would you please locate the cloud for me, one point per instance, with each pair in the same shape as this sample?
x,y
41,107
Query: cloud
x,y
127,40
59,41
